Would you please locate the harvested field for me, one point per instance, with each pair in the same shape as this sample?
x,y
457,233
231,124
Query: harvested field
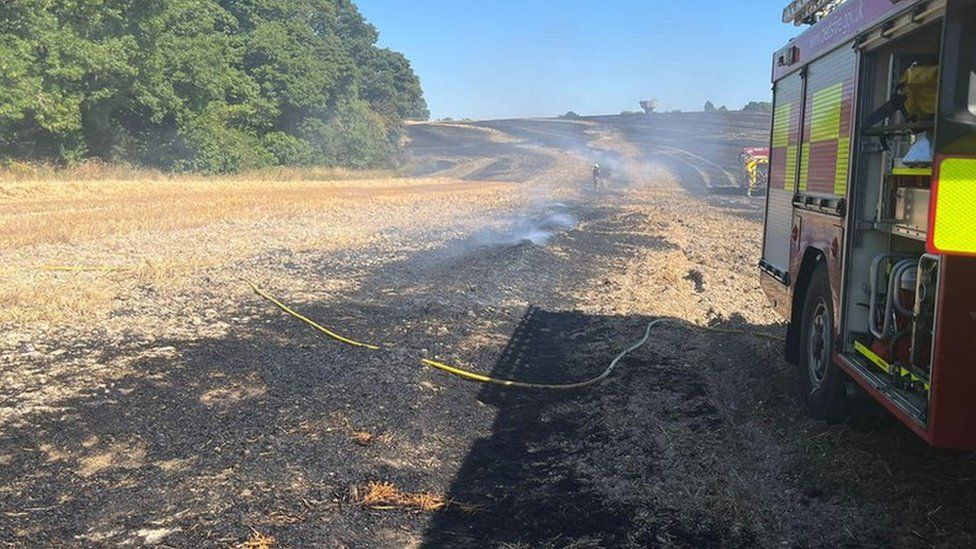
x,y
148,396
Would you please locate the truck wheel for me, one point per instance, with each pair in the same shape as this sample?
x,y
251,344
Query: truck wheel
x,y
823,380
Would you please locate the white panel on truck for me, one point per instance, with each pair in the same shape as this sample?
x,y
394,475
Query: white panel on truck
x,y
783,170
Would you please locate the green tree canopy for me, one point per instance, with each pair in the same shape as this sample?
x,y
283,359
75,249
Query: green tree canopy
x,y
758,106
208,85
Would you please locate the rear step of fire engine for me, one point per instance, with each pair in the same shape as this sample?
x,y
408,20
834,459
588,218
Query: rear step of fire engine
x,y
906,389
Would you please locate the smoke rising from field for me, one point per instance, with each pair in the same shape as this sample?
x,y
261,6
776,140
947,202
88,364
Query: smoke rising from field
x,y
537,227
545,158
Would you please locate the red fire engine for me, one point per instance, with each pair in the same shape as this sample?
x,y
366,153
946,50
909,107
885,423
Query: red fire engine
x,y
870,235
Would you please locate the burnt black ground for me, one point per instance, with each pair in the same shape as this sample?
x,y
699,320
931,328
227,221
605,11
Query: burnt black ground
x,y
699,440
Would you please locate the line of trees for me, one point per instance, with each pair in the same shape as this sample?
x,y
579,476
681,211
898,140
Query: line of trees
x,y
758,106
201,85
752,106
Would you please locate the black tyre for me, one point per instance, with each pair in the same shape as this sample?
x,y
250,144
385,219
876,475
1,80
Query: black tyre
x,y
823,381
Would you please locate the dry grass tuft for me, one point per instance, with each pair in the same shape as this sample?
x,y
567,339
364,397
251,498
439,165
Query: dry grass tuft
x,y
386,496
363,438
257,540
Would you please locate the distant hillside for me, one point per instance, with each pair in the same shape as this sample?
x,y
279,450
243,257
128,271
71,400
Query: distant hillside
x,y
201,85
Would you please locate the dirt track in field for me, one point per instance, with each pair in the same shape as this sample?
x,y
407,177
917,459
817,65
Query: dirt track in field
x,y
194,413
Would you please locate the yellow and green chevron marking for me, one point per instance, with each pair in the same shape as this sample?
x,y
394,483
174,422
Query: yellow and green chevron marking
x,y
782,118
827,125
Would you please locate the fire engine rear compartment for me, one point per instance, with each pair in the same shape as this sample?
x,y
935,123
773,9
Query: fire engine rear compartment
x,y
889,307
869,231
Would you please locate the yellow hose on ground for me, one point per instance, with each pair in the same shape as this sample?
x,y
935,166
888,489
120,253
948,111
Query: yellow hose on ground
x,y
481,378
459,372
309,321
548,386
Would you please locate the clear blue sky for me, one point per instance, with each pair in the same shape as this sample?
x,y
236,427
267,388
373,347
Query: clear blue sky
x,y
509,58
